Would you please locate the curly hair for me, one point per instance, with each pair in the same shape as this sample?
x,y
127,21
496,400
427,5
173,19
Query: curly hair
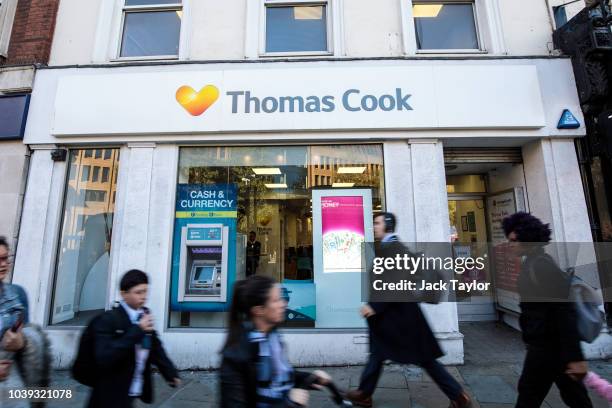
x,y
526,227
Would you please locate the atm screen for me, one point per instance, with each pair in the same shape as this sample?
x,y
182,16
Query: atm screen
x,y
204,273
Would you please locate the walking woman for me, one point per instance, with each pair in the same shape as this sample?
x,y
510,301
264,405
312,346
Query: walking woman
x,y
24,348
548,321
255,372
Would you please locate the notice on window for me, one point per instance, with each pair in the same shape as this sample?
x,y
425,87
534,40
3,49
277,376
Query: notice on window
x,y
507,266
343,231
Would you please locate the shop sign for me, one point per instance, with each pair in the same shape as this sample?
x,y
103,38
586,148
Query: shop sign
x,y
264,99
206,201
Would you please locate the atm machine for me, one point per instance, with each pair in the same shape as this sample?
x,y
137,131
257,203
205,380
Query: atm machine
x,y
203,275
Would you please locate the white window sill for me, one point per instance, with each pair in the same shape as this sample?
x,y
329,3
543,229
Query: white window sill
x,y
296,54
152,58
450,52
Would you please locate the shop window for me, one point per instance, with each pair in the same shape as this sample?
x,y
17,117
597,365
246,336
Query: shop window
x,y
297,27
107,154
445,26
88,153
151,28
81,275
274,187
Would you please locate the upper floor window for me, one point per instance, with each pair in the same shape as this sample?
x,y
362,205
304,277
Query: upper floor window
x,y
151,28
297,27
446,25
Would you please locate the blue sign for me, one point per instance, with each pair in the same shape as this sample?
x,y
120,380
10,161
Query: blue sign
x,y
13,114
204,204
206,200
568,121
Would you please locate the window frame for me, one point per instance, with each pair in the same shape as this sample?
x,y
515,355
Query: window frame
x,y
488,21
330,34
479,37
57,243
169,6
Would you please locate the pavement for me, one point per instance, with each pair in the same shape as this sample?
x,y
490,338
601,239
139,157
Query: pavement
x,y
493,363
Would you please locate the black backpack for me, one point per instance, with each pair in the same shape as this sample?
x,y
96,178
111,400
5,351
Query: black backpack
x,y
84,366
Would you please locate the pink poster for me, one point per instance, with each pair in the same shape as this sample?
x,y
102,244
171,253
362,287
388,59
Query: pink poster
x,y
343,233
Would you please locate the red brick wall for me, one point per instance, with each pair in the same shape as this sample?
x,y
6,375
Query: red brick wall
x,y
32,32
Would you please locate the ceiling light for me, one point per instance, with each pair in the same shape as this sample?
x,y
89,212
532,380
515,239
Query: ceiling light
x,y
343,184
351,170
276,185
260,171
426,10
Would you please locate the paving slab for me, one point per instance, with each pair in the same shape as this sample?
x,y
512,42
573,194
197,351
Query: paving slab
x,y
491,389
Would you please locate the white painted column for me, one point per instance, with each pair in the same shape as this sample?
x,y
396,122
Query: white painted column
x,y
555,188
398,187
160,231
556,196
415,187
40,226
130,237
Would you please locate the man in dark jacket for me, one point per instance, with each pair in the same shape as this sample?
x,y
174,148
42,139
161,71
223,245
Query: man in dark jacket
x,y
253,252
400,332
125,347
548,320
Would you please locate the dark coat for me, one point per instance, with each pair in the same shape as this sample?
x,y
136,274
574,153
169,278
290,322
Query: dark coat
x,y
238,375
399,330
115,355
548,320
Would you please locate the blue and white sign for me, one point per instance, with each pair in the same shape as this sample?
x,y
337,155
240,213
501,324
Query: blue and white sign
x,y
212,207
568,121
206,200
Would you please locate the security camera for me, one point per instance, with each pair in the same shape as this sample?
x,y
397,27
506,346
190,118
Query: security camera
x,y
59,155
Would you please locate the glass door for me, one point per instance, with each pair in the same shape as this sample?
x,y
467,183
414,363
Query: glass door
x,y
468,235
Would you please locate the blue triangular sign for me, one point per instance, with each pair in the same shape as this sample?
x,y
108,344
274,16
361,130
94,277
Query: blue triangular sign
x,y
568,121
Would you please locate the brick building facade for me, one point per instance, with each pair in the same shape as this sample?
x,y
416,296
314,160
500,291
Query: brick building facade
x,y
26,32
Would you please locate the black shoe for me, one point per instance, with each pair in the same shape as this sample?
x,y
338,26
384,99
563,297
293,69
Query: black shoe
x,y
359,399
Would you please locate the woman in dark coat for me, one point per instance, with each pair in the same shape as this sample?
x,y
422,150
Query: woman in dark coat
x,y
255,372
548,320
400,332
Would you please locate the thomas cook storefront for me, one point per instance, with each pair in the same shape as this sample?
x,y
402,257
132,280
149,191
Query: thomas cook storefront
x,y
201,174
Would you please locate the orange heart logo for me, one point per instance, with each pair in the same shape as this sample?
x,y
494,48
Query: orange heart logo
x,y
196,103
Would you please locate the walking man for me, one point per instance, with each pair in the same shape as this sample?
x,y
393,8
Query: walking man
x,y
253,252
126,345
399,332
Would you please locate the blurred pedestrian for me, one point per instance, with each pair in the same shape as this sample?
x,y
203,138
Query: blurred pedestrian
x,y
125,345
399,332
548,320
255,372
24,348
